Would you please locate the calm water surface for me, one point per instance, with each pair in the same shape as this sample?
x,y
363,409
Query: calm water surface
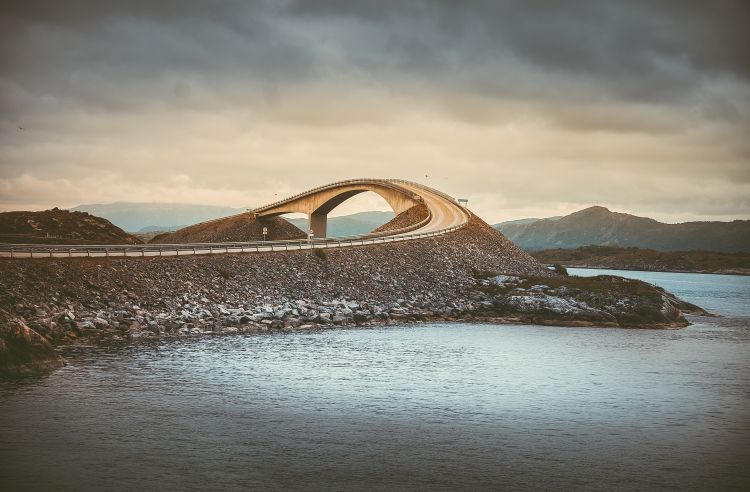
x,y
454,406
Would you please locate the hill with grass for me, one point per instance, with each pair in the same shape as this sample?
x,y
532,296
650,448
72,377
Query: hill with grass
x,y
601,227
57,226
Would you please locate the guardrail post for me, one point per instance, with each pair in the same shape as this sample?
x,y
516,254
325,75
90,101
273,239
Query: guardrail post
x,y
50,252
70,252
11,252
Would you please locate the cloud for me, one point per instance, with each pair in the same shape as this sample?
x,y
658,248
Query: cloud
x,y
541,106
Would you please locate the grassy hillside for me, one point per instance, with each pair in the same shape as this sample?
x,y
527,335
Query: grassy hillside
x,y
60,227
648,259
599,226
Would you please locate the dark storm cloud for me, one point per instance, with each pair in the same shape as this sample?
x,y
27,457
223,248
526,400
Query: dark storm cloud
x,y
627,50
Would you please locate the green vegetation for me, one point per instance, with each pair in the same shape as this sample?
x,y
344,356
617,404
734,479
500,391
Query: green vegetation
x,y
648,259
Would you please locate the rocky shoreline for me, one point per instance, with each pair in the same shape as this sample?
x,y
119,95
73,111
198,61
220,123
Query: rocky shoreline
x,y
474,274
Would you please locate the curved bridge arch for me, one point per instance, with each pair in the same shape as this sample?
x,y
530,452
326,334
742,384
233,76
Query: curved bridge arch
x,y
319,202
445,216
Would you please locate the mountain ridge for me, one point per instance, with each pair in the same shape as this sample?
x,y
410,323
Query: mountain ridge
x,y
599,226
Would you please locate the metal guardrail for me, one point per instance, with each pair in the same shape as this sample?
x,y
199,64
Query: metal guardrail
x,y
39,250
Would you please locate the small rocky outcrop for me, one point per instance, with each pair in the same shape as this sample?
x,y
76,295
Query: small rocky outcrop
x,y
604,300
409,217
242,227
23,350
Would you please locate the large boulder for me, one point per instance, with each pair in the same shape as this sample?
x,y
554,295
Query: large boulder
x,y
23,350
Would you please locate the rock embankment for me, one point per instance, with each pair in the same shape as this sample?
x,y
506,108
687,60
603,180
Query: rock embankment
x,y
76,300
242,227
60,227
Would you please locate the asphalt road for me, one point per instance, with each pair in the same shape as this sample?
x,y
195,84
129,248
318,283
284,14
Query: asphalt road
x,y
445,216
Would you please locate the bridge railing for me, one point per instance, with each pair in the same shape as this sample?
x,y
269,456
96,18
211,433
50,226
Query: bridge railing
x,y
87,250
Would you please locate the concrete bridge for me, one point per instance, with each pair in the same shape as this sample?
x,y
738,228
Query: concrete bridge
x,y
400,195
445,215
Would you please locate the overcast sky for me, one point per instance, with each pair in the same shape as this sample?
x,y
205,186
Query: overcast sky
x,y
525,108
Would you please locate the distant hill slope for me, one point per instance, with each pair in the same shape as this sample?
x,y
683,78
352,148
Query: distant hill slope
x,y
350,225
600,226
647,259
134,216
524,221
242,227
60,227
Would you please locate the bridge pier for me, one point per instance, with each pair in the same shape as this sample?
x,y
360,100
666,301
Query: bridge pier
x,y
318,223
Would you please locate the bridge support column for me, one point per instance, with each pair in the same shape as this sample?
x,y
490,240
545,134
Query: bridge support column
x,y
319,224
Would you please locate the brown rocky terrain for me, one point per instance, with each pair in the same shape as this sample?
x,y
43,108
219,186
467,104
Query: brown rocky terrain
x,y
85,300
242,227
57,226
407,218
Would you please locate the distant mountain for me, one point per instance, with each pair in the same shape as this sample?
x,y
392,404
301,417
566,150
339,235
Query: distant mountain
x,y
60,227
348,225
146,218
133,216
599,226
153,228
